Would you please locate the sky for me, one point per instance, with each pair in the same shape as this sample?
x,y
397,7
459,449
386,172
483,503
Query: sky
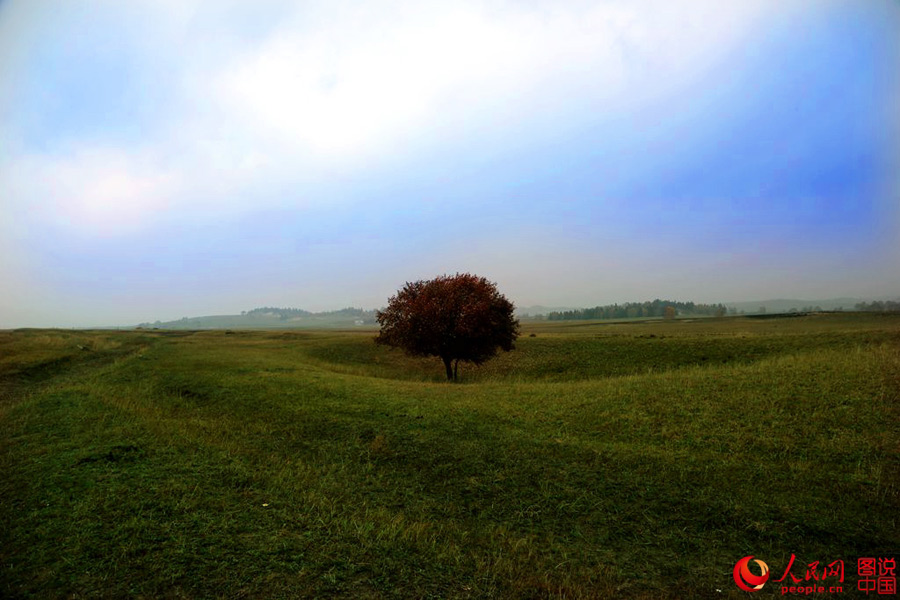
x,y
170,158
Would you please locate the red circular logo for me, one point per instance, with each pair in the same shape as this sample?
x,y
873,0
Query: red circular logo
x,y
745,579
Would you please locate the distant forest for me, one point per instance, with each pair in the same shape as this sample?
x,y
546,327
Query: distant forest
x,y
631,310
879,306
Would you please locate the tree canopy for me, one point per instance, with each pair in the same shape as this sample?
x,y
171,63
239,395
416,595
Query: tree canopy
x,y
457,318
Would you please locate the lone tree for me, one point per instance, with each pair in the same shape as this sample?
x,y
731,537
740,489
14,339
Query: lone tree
x,y
459,317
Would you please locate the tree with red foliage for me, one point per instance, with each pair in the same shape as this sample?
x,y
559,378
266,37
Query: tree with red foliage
x,y
457,318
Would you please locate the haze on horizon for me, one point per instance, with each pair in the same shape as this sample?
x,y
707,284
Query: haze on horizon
x,y
161,159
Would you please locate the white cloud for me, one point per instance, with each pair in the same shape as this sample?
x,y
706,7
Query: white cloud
x,y
94,191
336,85
369,75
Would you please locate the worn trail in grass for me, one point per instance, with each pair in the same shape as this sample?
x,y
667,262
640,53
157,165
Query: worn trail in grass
x,y
307,464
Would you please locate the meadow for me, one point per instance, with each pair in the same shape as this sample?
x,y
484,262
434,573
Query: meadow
x,y
634,460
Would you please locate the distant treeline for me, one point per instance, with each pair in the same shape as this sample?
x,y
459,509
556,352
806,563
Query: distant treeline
x,y
631,310
879,306
290,313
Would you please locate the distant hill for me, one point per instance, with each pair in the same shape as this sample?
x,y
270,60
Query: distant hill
x,y
268,317
272,318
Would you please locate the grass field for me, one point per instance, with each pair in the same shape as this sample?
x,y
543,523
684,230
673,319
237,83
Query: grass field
x,y
636,460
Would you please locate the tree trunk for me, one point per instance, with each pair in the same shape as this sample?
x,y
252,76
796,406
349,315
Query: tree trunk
x,y
448,366
455,369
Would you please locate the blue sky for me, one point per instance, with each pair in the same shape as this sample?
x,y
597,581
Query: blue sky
x,y
168,159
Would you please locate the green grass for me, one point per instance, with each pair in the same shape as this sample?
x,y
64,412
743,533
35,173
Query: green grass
x,y
596,460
